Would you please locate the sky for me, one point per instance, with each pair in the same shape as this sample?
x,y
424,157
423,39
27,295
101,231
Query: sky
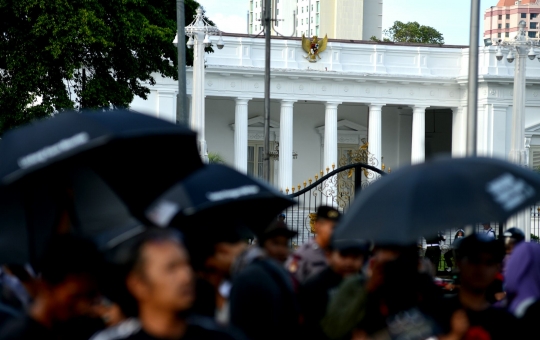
x,y
450,17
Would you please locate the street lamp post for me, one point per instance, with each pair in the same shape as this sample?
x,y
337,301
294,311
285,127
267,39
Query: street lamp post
x,y
519,50
199,32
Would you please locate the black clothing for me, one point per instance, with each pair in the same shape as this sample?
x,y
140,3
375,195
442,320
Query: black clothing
x,y
205,299
314,297
25,328
529,321
498,323
198,328
262,302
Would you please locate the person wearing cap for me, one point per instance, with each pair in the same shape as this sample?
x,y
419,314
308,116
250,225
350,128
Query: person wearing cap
x,y
512,237
345,258
310,258
478,258
275,241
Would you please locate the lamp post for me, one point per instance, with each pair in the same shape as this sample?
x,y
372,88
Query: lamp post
x,y
199,32
519,50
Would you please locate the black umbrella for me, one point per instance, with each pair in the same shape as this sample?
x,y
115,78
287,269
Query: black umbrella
x,y
218,195
68,164
444,193
139,156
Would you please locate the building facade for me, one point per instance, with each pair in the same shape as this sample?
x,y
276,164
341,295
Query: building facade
x,y
409,102
339,19
501,21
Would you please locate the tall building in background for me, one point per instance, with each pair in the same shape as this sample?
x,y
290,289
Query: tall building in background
x,y
340,19
501,21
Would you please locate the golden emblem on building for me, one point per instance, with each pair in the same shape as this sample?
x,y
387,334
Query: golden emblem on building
x,y
313,47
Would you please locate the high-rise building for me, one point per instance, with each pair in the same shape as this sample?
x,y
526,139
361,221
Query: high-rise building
x,y
340,19
501,21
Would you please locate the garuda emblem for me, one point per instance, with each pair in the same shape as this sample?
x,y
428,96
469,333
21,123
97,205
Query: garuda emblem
x,y
313,47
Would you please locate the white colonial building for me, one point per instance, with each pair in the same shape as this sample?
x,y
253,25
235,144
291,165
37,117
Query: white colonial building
x,y
408,100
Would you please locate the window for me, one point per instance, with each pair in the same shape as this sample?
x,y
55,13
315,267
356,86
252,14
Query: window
x,y
255,4
534,25
499,26
534,15
498,35
302,21
523,15
507,25
508,17
318,6
500,17
311,19
312,31
507,35
302,9
277,12
532,34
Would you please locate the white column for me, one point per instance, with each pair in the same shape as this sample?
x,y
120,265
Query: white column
x,y
241,134
197,116
517,149
418,146
330,135
374,132
459,128
286,145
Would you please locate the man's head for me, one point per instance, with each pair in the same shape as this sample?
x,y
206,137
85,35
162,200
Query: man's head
x,y
217,249
157,273
390,262
275,241
478,259
486,226
512,237
327,218
346,257
70,269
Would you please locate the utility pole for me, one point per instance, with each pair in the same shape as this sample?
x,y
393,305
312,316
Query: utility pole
x,y
472,99
267,33
181,98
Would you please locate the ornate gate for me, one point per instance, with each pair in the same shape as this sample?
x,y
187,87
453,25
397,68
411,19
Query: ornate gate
x,y
336,188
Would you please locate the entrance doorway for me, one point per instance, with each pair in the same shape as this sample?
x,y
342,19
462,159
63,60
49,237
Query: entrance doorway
x,y
438,133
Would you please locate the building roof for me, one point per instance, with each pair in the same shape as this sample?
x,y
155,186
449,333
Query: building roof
x,y
504,3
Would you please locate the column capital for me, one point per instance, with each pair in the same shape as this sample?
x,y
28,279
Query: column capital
x,y
287,102
376,106
243,100
332,104
419,107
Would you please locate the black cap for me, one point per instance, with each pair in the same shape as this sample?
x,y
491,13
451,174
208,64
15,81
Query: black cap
x,y
277,228
350,246
476,244
517,234
328,213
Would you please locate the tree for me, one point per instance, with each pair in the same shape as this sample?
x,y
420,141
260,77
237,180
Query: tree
x,y
413,32
57,54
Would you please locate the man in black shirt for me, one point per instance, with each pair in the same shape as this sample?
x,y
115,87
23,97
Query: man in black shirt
x,y
160,284
64,294
478,258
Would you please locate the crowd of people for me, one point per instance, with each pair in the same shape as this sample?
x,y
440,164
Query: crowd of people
x,y
225,282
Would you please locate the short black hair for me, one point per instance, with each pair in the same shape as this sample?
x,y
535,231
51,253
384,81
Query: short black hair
x,y
70,255
476,244
127,257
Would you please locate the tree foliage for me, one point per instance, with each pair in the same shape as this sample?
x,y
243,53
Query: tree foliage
x,y
64,54
413,32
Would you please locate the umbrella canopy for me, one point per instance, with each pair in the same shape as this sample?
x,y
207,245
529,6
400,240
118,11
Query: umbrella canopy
x,y
139,156
217,194
444,193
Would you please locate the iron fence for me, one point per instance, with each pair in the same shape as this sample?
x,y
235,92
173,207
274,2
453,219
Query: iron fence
x,y
337,189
